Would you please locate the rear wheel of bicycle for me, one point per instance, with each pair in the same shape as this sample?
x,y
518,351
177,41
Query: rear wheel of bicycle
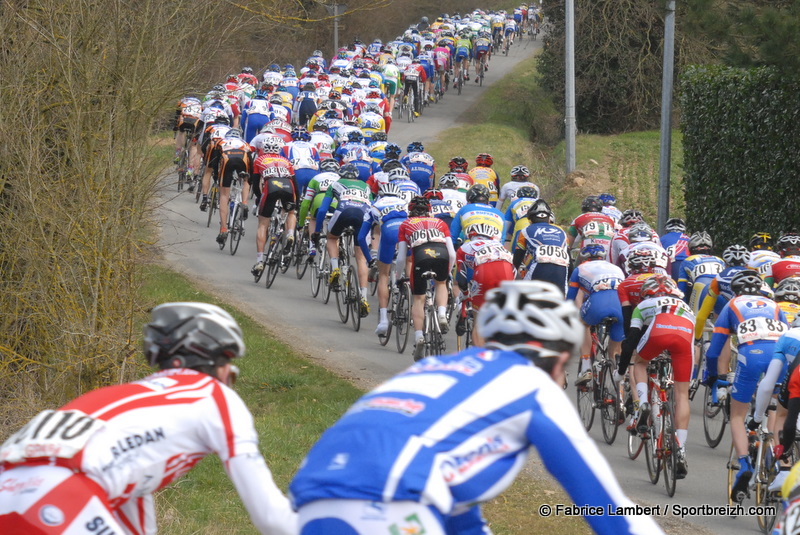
x,y
713,419
285,258
610,410
274,259
384,338
733,469
459,83
669,449
315,277
373,280
765,475
327,288
402,318
354,299
198,186
341,291
301,256
236,231
635,444
212,205
651,447
586,404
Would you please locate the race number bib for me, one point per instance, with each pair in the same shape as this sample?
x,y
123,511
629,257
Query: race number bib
x,y
754,329
596,228
605,284
60,434
706,269
552,254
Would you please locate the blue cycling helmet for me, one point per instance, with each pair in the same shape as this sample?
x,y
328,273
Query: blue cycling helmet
x,y
392,151
261,94
608,199
593,251
415,146
355,136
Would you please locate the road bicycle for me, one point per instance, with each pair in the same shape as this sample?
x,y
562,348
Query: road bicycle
x,y
433,336
409,104
660,442
213,201
347,289
274,255
480,71
301,246
601,392
183,163
236,214
465,341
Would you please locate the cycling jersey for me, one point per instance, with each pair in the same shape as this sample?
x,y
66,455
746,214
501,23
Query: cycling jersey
x,y
718,294
628,290
464,182
229,155
486,220
128,441
455,430
482,265
323,143
592,227
509,191
305,161
612,212
517,217
421,168
546,246
781,269
487,177
677,246
388,212
353,200
697,272
428,240
761,260
315,193
599,280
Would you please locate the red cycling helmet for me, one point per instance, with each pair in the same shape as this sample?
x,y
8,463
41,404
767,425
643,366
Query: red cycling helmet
x,y
458,164
484,160
659,285
432,194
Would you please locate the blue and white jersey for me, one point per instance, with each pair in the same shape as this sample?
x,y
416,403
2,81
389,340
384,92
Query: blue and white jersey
x,y
408,189
787,347
386,208
594,276
455,430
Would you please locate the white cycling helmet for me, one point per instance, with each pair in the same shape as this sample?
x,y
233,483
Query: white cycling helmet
x,y
736,255
519,312
197,334
389,189
399,173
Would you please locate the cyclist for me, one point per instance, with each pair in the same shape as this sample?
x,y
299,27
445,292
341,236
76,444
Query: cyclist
x,y
388,211
530,333
478,212
400,178
609,206
483,173
353,201
757,322
509,30
122,443
304,157
230,155
789,263
412,77
719,291
597,280
517,212
321,140
662,321
620,241
425,241
546,246
462,55
187,123
482,52
455,199
391,80
761,253
255,115
787,295
699,269
592,226
276,176
676,242
458,166
356,153
211,136
421,165
442,60
520,177
315,193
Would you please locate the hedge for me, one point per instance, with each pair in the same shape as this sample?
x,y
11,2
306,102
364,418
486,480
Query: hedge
x,y
741,136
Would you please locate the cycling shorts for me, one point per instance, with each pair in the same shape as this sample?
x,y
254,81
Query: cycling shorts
x,y
672,333
55,500
349,217
462,54
230,161
601,305
253,124
441,66
388,244
428,257
481,52
486,277
422,179
509,31
189,124
303,177
552,273
390,87
752,363
363,517
275,189
428,69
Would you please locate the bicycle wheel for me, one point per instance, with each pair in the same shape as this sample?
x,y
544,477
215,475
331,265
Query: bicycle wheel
x,y
714,419
410,111
285,258
236,230
586,403
610,411
697,371
635,445
384,338
341,291
274,259
373,280
198,178
733,469
354,298
765,474
654,431
327,288
212,204
402,318
301,255
669,448
183,166
315,277
459,83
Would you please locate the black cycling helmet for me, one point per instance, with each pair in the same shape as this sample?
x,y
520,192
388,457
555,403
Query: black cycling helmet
x,y
527,192
540,212
389,165
592,203
329,165
379,136
761,241
747,282
789,244
478,193
348,172
392,151
458,164
788,290
419,207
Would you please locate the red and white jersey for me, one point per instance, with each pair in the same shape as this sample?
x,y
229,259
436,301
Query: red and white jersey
x,y
273,166
479,251
302,154
136,438
416,231
783,269
324,144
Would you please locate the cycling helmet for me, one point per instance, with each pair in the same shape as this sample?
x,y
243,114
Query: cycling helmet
x,y
355,136
539,211
300,134
747,282
392,151
329,165
389,189
415,146
629,217
641,261
320,125
484,160
419,207
478,193
700,242
234,132
788,290
593,251
274,68
760,241
424,19
520,171
736,255
374,94
390,164
533,319
276,99
659,285
449,181
592,203
640,232
676,224
247,70
788,244
219,88
334,95
261,94
398,173
608,199
379,136
348,172
196,334
272,145
458,164
527,192
432,194
222,119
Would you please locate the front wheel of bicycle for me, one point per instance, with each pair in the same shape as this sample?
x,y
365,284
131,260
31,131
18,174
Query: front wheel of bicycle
x,y
714,418
765,474
669,449
610,412
651,447
384,338
236,230
635,445
733,469
402,318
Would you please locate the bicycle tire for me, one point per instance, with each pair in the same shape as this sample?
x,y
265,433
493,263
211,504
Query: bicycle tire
x,y
697,371
326,273
301,256
733,469
765,474
384,338
274,258
341,294
585,403
651,444
459,82
610,404
285,258
373,280
354,299
198,178
212,204
669,448
236,230
635,445
714,419
402,318
315,278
